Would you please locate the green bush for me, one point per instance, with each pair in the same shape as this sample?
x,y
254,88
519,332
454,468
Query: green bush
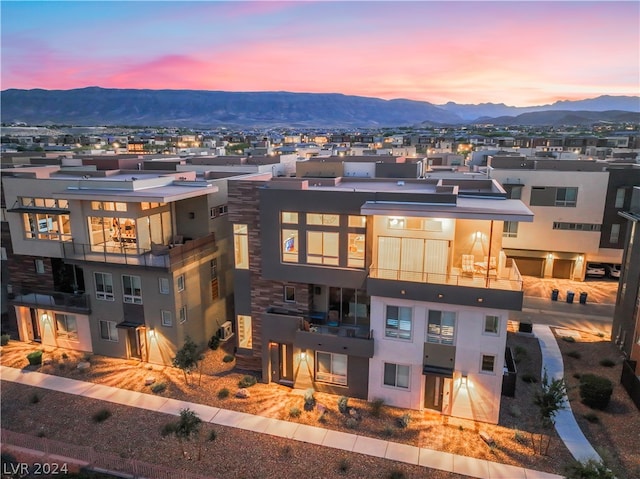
x,y
519,353
595,391
589,470
309,399
228,358
213,435
574,354
577,375
223,393
214,342
157,388
396,474
376,407
102,415
607,363
4,339
351,423
34,399
247,381
529,378
343,404
168,429
343,465
35,358
387,431
404,420
295,412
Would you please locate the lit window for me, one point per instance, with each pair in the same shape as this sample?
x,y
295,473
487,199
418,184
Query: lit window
x,y
491,324
241,246
331,368
323,219
396,375
398,322
488,363
322,247
289,217
180,281
104,286
245,334
441,327
167,318
289,246
131,289
289,294
66,326
357,221
108,330
355,257
163,284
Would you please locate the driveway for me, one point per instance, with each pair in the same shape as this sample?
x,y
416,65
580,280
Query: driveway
x,y
601,291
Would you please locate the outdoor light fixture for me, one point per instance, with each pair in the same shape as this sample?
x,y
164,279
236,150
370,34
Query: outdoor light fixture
x,y
478,235
303,355
44,317
463,380
550,256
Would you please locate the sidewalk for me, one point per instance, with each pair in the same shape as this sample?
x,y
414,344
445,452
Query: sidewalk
x,y
429,458
566,424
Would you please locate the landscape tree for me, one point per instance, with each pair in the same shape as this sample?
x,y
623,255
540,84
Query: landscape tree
x,y
184,429
187,358
549,399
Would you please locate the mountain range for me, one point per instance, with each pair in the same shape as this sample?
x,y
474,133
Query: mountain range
x,y
199,108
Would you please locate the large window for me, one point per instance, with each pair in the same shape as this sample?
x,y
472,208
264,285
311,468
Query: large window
x,y
398,323
131,289
331,368
47,226
241,246
492,324
66,326
322,247
441,327
290,246
553,196
396,375
245,334
566,196
510,229
104,286
108,330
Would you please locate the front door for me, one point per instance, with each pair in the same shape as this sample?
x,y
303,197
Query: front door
x,y
433,393
134,343
281,363
35,325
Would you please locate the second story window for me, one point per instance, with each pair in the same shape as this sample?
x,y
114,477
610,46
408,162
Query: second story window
x,y
241,246
131,289
398,323
510,229
566,196
322,247
441,327
104,286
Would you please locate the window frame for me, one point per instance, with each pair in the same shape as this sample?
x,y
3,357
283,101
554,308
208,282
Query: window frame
x,y
496,324
241,246
38,264
164,285
102,294
614,233
510,229
397,366
391,332
110,329
332,377
182,315
180,283
66,334
493,363
289,294
439,338
166,318
132,297
564,202
245,331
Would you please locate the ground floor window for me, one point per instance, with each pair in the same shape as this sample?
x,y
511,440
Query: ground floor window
x,y
245,334
331,368
396,375
108,330
488,363
66,326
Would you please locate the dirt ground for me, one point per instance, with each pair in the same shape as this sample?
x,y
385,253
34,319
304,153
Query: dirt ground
x,y
602,291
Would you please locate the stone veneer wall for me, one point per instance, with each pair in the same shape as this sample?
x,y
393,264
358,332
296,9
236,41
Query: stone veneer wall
x,y
244,208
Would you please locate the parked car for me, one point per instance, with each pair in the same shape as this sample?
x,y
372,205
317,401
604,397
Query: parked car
x,y
613,270
596,270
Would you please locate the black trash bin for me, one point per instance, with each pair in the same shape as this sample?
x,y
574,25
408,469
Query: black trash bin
x,y
570,295
554,295
583,298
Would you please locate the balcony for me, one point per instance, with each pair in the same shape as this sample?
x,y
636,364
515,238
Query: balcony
x,y
351,340
68,302
158,256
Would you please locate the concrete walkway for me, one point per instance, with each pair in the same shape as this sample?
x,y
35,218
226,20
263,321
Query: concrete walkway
x,y
566,424
394,451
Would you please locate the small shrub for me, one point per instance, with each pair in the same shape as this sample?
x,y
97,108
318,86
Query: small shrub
x,y
322,417
460,428
157,388
574,354
376,407
404,420
4,339
228,358
343,465
595,391
223,393
87,358
529,378
515,411
396,474
214,342
569,339
213,435
577,375
247,381
388,431
343,406
590,469
34,399
295,412
40,433
64,356
592,417
287,450
600,334
519,354
607,363
351,423
309,399
168,429
35,358
62,366
519,437
102,415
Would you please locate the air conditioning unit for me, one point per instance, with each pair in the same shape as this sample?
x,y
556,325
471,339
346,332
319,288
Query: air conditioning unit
x,y
225,331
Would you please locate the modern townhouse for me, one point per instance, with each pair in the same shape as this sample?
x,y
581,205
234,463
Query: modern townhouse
x,y
377,288
124,263
575,203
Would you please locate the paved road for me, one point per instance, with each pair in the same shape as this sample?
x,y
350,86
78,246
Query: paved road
x,y
585,317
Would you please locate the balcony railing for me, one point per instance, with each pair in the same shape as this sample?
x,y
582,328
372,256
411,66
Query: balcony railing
x,y
76,302
345,331
509,278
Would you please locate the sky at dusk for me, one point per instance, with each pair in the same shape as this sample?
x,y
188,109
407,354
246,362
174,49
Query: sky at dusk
x,y
518,53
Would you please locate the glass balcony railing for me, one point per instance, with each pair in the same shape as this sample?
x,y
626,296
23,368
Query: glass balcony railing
x,y
78,302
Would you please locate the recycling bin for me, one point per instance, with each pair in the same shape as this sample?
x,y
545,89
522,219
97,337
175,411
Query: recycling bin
x,y
570,295
554,295
583,298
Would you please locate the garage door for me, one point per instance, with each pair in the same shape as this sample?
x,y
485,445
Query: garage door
x,y
530,266
562,268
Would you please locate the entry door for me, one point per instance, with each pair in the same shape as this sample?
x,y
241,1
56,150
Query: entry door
x,y
433,394
134,344
281,363
35,325
142,342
